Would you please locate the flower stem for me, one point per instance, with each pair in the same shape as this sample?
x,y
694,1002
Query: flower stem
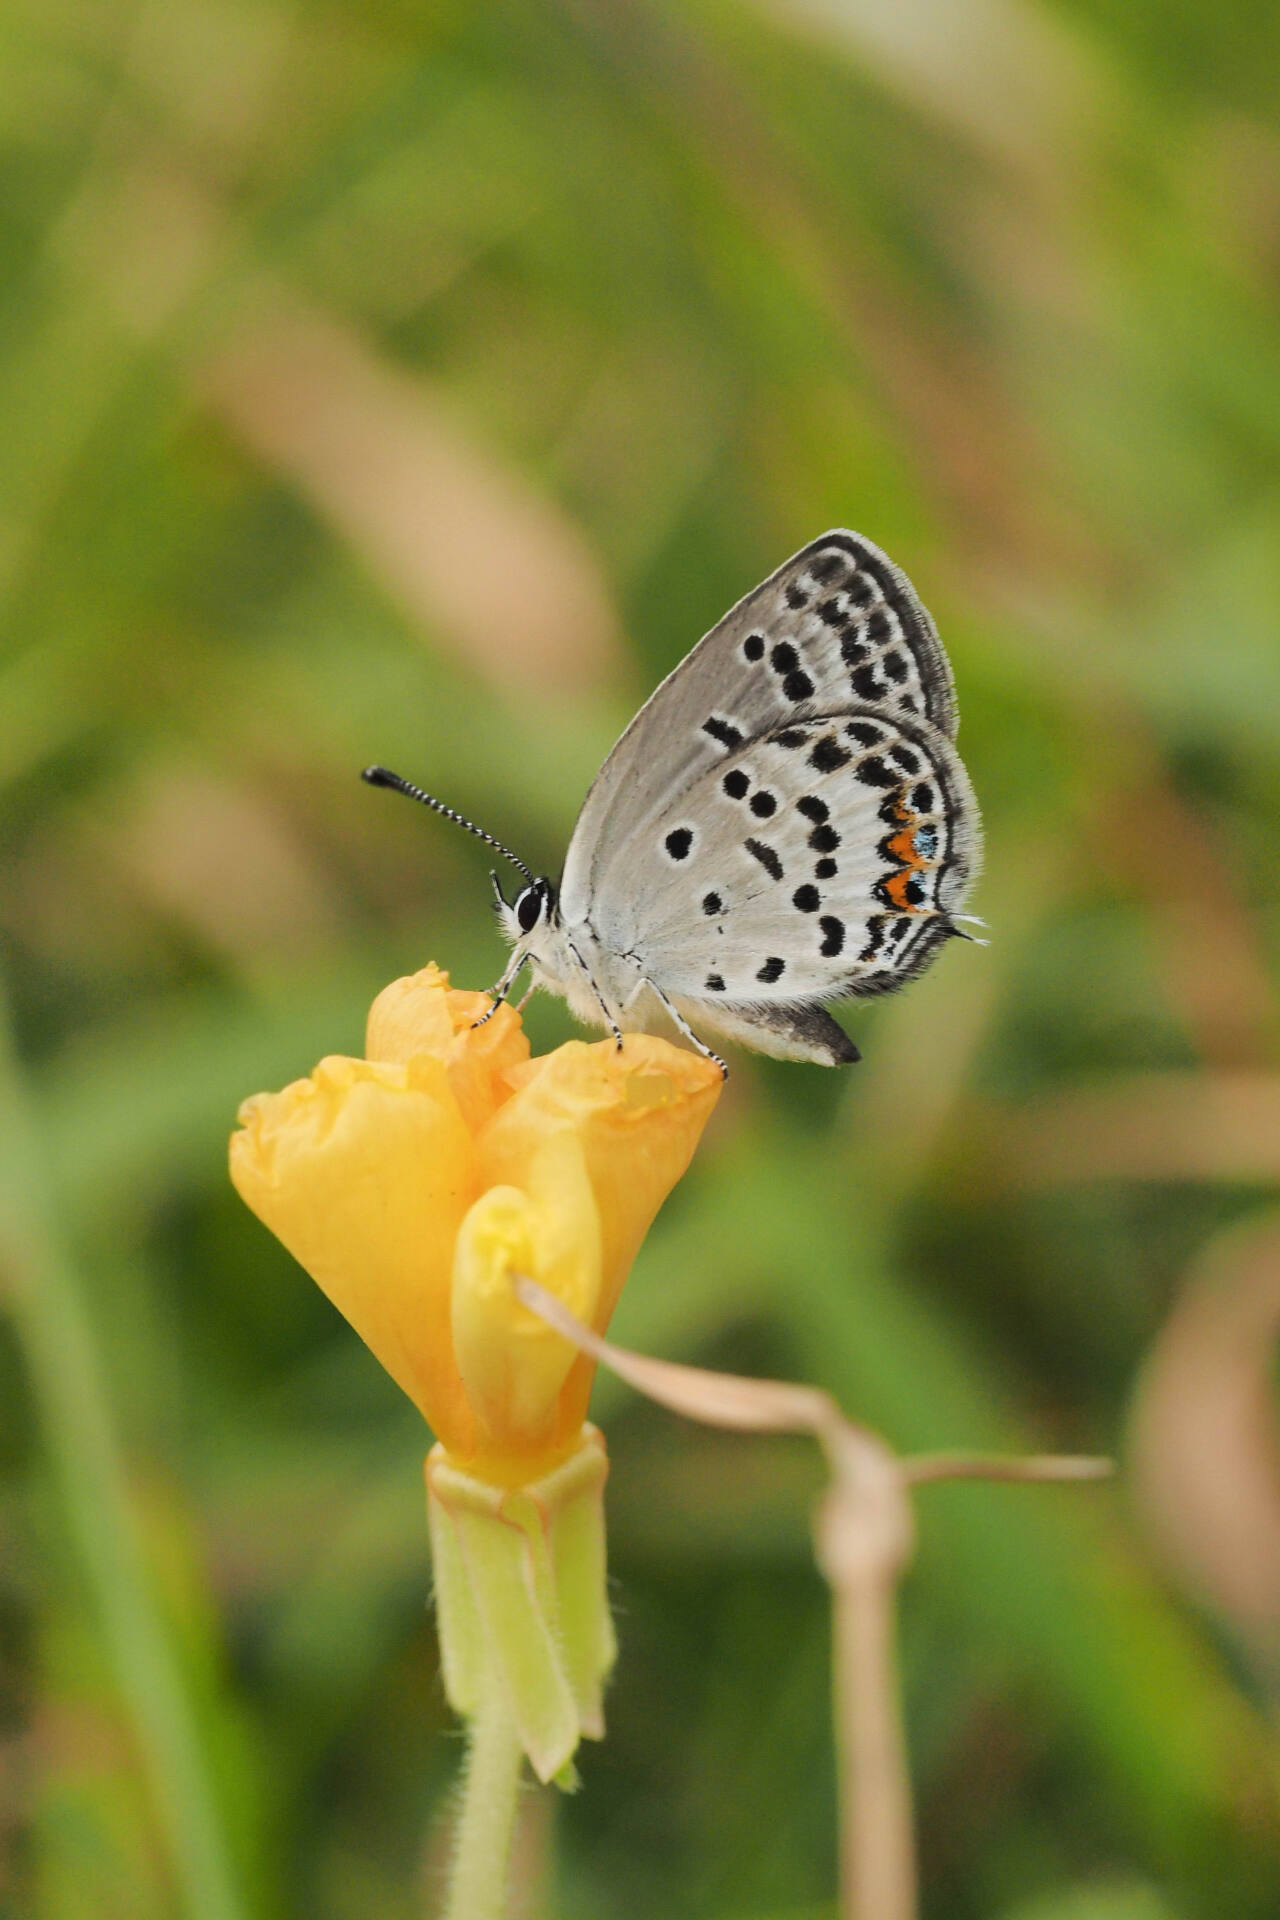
x,y
482,1843
864,1535
877,1849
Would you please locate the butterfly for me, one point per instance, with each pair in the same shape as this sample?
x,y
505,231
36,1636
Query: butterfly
x,y
786,822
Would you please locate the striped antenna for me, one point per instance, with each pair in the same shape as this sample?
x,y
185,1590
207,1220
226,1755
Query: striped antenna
x,y
383,777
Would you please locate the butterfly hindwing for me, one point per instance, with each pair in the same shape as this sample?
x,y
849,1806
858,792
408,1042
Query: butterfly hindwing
x,y
823,859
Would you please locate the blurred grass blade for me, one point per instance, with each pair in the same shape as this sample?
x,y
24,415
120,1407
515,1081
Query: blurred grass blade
x,y
43,1294
458,537
1205,1441
1011,78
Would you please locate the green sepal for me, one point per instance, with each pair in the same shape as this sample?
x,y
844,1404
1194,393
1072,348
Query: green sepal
x,y
520,1590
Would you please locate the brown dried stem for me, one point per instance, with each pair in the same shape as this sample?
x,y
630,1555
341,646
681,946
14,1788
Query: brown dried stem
x,y
864,1534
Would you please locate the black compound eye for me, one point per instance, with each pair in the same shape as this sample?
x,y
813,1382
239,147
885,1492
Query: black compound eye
x,y
529,909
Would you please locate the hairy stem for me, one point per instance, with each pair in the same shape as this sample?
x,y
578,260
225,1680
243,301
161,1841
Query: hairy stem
x,y
482,1843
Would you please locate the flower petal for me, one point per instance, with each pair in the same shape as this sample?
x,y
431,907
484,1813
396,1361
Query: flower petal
x,y
422,1013
638,1110
638,1113
512,1365
365,1171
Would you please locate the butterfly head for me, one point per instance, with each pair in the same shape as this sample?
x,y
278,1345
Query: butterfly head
x,y
532,909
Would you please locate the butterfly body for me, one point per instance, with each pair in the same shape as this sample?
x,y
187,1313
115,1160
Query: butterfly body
x,y
605,989
785,823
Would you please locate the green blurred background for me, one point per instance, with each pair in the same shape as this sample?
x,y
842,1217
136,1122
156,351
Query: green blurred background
x,y
416,383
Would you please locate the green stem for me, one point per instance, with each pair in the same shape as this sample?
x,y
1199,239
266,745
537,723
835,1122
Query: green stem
x,y
482,1843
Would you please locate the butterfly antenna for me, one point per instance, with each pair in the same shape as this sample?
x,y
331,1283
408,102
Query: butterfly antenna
x,y
383,777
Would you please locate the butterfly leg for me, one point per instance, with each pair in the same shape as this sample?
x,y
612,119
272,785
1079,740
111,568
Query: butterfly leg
x,y
686,1029
601,1002
499,992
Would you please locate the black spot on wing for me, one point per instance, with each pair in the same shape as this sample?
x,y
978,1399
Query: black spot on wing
x,y
813,808
735,783
753,647
714,983
765,854
806,899
875,941
771,970
874,772
897,950
679,842
832,935
828,567
712,903
884,609
722,730
828,756
763,804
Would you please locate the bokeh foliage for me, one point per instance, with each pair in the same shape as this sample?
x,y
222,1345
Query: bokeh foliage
x,y
416,383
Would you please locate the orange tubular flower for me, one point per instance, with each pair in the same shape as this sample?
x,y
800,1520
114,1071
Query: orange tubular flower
x,y
415,1184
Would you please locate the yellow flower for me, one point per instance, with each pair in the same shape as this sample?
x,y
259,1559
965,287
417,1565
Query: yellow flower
x,y
415,1184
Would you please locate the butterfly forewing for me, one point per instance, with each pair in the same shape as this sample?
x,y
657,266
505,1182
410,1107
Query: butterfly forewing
x,y
838,628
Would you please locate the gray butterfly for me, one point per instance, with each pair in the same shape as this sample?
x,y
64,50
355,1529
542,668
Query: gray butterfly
x,y
785,822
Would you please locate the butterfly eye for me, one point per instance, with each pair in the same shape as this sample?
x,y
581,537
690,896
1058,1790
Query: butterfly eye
x,y
529,909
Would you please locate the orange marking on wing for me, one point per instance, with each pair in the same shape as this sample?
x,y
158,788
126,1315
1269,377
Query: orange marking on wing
x,y
894,887
902,846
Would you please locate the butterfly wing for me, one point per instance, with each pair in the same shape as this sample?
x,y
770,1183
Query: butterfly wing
x,y
837,627
825,858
